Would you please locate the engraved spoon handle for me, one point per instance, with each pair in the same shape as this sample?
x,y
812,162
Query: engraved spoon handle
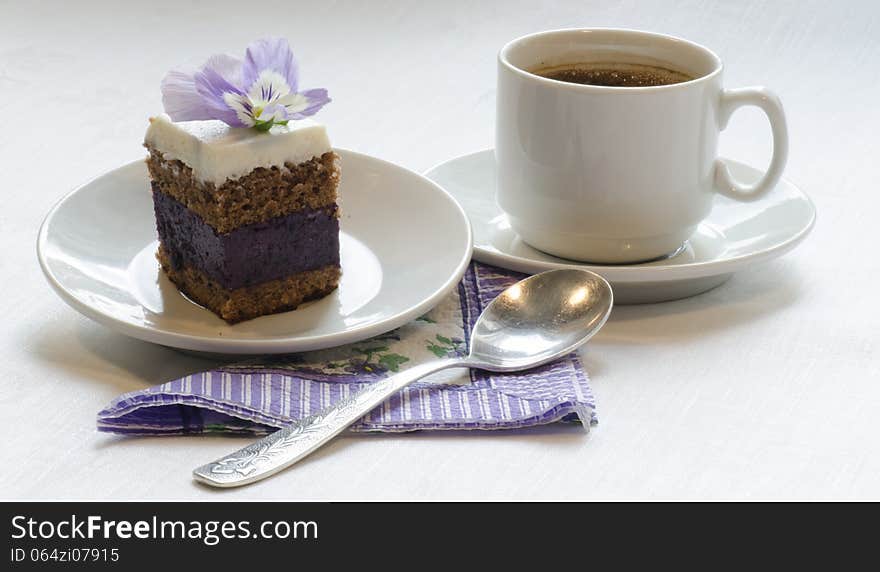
x,y
288,445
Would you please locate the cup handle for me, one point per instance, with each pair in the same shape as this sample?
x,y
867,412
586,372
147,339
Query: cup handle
x,y
769,103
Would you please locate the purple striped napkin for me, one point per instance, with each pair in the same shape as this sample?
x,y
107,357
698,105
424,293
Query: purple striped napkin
x,y
255,397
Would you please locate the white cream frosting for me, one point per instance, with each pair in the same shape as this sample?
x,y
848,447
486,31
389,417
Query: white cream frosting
x,y
216,152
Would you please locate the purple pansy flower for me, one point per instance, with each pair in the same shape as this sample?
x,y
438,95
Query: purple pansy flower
x,y
259,92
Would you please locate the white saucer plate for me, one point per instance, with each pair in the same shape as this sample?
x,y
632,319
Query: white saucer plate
x,y
736,235
97,248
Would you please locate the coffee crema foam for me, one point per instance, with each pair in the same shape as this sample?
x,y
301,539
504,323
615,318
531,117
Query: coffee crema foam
x,y
612,74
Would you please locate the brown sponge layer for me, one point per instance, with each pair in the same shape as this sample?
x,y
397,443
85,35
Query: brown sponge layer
x,y
251,301
260,195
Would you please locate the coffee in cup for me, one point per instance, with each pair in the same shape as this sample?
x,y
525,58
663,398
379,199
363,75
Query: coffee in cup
x,y
614,74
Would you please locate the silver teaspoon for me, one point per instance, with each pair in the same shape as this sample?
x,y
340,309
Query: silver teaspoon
x,y
535,321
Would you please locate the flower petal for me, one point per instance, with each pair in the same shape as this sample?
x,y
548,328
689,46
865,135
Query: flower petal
x,y
242,107
269,54
269,87
228,67
213,88
275,113
181,99
306,103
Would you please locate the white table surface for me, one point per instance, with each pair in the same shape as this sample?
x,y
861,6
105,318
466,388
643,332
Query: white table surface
x,y
767,387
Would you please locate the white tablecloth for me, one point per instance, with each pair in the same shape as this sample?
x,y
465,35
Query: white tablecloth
x,y
767,387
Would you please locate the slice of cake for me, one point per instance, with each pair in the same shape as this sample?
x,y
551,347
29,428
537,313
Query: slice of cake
x,y
248,222
244,185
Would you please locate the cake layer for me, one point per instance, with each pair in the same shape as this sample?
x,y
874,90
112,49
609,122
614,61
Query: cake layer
x,y
258,196
241,304
250,254
216,152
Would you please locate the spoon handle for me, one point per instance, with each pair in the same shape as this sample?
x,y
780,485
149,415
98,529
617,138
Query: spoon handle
x,y
288,445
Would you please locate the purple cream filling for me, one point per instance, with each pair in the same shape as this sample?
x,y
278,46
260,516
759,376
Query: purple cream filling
x,y
250,254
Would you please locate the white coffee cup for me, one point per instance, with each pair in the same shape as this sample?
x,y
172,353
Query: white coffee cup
x,y
617,174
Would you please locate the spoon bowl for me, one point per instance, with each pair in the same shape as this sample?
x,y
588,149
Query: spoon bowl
x,y
539,319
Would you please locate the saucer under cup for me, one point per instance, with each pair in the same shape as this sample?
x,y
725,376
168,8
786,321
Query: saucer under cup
x,y
735,235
